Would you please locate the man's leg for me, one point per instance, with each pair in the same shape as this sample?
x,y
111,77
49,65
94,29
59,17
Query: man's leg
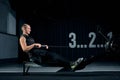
x,y
57,58
64,62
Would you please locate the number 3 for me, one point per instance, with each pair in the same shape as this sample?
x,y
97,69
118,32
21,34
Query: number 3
x,y
73,40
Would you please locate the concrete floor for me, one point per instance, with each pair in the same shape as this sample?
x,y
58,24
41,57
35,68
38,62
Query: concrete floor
x,y
98,66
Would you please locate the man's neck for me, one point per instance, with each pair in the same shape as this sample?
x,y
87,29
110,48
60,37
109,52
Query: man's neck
x,y
25,34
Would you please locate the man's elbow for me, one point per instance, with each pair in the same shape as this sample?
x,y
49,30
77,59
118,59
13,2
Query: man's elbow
x,y
25,50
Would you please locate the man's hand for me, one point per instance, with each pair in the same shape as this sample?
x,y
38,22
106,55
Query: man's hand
x,y
37,45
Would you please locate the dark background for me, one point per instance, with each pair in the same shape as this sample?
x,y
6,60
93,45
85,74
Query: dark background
x,y
52,21
51,11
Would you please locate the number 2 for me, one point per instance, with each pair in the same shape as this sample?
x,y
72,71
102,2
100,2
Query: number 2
x,y
92,35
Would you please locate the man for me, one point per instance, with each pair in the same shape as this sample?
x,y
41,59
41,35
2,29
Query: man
x,y
28,44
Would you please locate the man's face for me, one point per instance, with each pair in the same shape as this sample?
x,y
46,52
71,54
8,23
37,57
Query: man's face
x,y
28,29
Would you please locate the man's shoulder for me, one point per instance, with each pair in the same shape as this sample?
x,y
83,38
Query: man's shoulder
x,y
22,36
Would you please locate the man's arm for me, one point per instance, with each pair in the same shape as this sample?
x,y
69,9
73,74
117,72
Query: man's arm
x,y
24,46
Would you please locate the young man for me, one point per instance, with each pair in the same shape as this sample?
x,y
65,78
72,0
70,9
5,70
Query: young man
x,y
28,44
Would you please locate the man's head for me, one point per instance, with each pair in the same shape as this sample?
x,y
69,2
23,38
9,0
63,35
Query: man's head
x,y
26,29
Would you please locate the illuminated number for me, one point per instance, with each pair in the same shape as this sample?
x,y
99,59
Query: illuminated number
x,y
73,40
92,35
109,35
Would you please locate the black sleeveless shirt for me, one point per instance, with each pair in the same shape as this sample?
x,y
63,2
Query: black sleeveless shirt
x,y
29,40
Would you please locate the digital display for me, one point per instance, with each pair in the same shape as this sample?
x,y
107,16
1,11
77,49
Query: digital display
x,y
90,44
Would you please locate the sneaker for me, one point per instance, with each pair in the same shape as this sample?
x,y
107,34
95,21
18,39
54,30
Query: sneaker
x,y
76,63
